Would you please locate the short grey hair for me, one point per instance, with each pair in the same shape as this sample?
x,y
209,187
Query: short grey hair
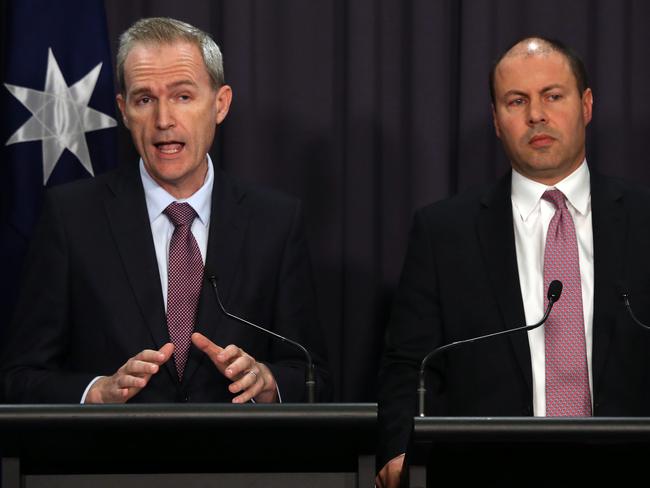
x,y
163,30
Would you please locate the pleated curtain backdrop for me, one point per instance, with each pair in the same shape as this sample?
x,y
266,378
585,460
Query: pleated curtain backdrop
x,y
369,109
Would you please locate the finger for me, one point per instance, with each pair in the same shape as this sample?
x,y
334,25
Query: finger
x,y
240,366
106,390
247,380
130,381
138,367
167,350
119,395
151,356
207,346
249,393
230,353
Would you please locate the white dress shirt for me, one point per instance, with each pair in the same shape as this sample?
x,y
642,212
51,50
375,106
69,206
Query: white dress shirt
x,y
162,228
531,217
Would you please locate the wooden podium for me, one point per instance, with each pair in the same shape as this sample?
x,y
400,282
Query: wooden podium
x,y
188,445
527,451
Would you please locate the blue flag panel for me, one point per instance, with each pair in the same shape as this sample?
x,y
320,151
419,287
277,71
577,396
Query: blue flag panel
x,y
58,115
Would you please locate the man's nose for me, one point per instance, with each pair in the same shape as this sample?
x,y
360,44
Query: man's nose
x,y
536,113
164,116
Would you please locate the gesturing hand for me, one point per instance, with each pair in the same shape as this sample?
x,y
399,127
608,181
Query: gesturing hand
x,y
132,377
251,379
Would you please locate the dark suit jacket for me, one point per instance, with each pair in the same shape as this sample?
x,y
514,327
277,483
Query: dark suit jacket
x,y
92,298
460,280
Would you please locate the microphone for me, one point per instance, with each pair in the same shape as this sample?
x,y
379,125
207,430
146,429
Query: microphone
x,y
310,382
553,295
626,300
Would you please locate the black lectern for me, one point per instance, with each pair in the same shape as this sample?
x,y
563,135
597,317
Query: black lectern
x,y
188,445
528,451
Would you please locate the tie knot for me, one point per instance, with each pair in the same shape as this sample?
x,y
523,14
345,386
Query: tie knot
x,y
180,213
556,197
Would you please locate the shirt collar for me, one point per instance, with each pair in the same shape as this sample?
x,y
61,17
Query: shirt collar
x,y
526,193
158,199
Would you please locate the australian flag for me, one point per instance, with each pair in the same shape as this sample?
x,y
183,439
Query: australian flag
x,y
57,115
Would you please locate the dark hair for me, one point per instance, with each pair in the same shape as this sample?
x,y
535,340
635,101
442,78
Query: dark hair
x,y
575,62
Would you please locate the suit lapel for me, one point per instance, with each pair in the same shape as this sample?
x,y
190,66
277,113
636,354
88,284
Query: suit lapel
x,y
496,238
609,226
129,222
228,222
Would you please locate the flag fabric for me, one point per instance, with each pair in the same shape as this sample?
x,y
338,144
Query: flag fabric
x,y
58,116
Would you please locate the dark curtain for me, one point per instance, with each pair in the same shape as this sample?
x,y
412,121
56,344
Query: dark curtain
x,y
368,109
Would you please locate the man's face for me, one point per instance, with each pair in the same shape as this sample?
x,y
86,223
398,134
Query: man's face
x,y
540,116
172,111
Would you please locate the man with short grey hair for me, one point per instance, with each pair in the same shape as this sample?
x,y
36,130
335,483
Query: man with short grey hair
x,y
125,312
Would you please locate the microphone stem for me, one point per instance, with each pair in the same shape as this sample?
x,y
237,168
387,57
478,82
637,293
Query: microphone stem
x,y
422,390
626,300
310,381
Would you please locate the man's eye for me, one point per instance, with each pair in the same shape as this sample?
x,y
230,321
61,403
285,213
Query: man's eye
x,y
515,102
554,97
184,98
144,100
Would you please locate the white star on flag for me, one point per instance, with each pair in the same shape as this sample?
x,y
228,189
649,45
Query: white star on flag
x,y
60,116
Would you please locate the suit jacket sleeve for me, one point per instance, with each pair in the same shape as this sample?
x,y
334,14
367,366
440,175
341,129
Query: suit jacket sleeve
x,y
414,329
34,360
295,317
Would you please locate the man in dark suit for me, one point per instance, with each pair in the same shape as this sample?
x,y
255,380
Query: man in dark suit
x,y
115,305
480,262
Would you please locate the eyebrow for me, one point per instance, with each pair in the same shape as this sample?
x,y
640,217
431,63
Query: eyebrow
x,y
178,83
522,93
173,85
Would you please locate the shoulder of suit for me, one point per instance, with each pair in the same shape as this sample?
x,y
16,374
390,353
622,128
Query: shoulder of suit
x,y
465,203
84,188
631,192
258,196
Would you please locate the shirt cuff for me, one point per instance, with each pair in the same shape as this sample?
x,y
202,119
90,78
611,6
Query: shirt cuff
x,y
83,397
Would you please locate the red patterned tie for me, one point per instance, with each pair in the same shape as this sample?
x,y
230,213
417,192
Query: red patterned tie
x,y
567,376
184,281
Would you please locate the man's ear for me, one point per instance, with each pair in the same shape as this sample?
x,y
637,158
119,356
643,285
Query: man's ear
x,y
121,103
224,98
587,105
497,130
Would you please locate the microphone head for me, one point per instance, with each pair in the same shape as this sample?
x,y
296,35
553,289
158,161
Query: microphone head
x,y
554,291
621,289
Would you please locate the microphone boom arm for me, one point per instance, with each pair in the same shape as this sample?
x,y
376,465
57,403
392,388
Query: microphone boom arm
x,y
310,381
626,300
554,292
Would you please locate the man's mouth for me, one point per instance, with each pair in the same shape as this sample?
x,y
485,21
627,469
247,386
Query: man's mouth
x,y
169,147
541,140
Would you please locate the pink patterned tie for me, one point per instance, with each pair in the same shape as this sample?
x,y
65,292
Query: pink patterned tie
x,y
184,281
567,376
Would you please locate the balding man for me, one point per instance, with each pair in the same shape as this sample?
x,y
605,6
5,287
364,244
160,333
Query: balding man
x,y
481,262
